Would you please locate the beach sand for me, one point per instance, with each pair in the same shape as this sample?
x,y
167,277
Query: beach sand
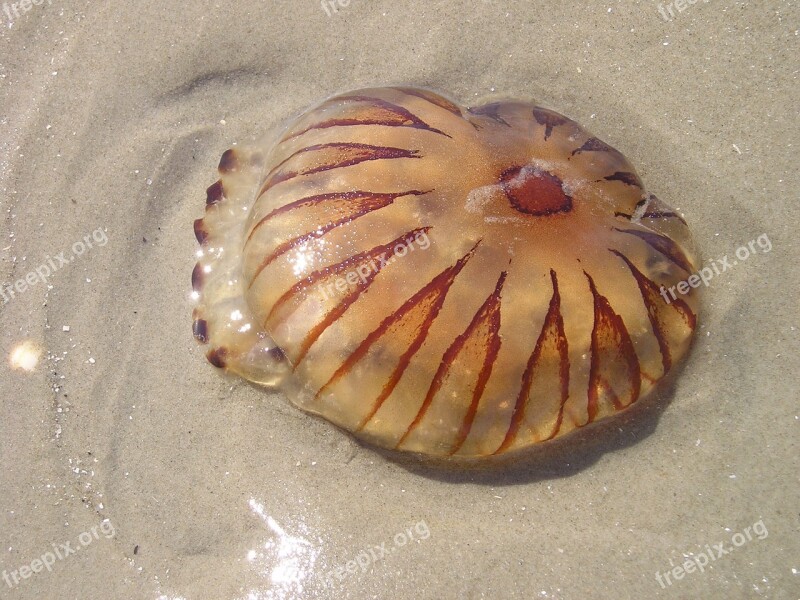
x,y
167,480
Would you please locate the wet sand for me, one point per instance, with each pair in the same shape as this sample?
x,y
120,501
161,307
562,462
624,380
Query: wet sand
x,y
145,474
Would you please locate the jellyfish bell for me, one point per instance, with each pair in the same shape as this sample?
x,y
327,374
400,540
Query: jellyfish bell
x,y
534,308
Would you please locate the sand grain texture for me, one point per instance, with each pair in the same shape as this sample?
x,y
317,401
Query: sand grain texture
x,y
113,117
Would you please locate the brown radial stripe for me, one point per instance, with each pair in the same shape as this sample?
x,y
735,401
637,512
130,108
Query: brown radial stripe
x,y
490,110
658,210
663,215
381,113
613,358
549,119
483,333
378,253
657,310
349,205
663,245
421,309
595,145
333,156
333,315
344,198
552,335
635,208
625,177
435,99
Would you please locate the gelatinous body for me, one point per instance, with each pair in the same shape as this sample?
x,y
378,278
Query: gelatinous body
x,y
438,280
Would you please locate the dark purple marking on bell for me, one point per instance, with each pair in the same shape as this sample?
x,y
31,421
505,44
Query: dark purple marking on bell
x,y
200,330
625,177
215,193
199,231
661,210
549,119
491,111
197,278
594,145
217,357
663,215
277,354
229,162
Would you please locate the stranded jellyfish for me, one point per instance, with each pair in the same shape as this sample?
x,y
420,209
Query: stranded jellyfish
x,y
438,280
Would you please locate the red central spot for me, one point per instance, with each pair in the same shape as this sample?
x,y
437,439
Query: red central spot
x,y
535,192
